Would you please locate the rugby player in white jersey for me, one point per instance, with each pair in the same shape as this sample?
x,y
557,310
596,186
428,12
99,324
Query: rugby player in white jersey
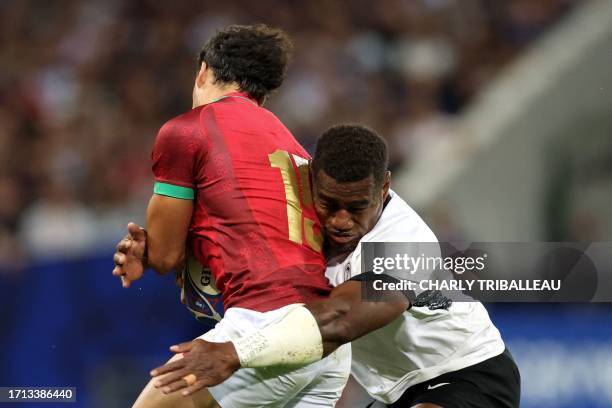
x,y
426,356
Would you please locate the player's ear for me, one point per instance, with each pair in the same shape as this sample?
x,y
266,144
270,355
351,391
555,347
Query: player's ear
x,y
202,75
386,185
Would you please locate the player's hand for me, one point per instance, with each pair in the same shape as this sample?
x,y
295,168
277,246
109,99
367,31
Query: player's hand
x,y
204,364
130,256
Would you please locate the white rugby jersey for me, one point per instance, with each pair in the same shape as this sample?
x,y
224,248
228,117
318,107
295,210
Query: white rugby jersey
x,y
420,344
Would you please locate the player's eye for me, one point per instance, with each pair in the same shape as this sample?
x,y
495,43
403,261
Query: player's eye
x,y
358,210
325,205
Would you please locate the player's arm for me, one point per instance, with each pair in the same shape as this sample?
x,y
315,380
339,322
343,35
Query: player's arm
x,y
345,316
178,154
310,332
177,158
168,220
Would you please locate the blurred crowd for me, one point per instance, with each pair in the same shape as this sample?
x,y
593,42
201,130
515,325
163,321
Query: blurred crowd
x,y
86,84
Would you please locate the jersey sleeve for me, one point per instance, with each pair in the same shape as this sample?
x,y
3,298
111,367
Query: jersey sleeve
x,y
177,154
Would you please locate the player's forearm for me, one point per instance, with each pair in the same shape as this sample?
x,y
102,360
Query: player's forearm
x,y
161,257
345,317
168,222
331,316
163,264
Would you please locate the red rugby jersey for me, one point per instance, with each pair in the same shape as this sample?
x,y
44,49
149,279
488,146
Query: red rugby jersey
x,y
254,223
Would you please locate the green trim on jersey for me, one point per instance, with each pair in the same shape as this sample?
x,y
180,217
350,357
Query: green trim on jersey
x,y
171,190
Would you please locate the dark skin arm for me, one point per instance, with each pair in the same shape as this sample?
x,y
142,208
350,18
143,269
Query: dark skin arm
x,y
342,318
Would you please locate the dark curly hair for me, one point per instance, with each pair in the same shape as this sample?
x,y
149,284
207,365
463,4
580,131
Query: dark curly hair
x,y
253,56
350,153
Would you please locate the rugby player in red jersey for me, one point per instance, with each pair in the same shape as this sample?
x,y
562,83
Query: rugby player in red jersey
x,y
232,186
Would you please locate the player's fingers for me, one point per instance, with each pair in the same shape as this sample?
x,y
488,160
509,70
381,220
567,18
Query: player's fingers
x,y
120,243
182,348
175,386
136,232
200,384
118,271
166,368
171,378
124,245
125,282
119,258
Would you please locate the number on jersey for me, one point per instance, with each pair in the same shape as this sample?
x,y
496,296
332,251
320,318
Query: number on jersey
x,y
282,160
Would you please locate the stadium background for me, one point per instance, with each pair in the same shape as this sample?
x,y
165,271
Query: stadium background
x,y
497,114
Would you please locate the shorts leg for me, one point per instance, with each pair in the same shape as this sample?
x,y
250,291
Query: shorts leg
x,y
328,383
254,388
320,382
455,395
355,396
494,382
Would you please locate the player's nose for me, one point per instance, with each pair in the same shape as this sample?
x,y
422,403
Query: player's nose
x,y
341,221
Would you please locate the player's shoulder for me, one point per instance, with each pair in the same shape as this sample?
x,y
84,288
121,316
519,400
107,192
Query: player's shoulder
x,y
227,111
400,223
183,126
191,117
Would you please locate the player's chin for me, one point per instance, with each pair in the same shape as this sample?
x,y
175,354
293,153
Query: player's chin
x,y
344,243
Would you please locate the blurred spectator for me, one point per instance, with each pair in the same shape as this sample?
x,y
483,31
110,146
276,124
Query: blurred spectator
x,y
57,224
85,85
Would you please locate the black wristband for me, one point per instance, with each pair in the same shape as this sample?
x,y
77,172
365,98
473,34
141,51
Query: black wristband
x,y
371,277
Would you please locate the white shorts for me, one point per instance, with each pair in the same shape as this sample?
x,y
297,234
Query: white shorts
x,y
319,384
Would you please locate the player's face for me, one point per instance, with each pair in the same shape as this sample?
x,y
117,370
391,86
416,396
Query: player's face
x,y
349,210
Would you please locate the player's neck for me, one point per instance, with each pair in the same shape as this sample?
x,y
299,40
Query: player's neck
x,y
213,93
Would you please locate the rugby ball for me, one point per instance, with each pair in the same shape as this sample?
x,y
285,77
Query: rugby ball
x,y
200,294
